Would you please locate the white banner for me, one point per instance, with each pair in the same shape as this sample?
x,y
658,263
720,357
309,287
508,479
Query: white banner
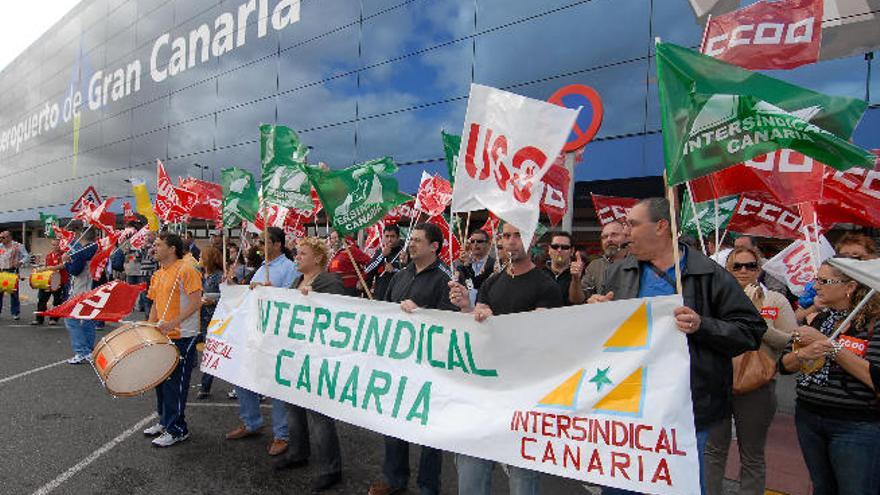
x,y
507,145
797,264
606,402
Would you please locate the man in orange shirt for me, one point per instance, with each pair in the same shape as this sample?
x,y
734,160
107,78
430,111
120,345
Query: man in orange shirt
x,y
176,292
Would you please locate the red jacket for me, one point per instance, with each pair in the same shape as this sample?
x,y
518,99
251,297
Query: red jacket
x,y
341,264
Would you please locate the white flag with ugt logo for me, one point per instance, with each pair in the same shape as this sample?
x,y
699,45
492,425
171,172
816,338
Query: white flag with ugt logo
x,y
507,145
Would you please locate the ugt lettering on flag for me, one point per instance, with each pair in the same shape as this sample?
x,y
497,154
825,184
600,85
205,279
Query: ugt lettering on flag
x,y
508,143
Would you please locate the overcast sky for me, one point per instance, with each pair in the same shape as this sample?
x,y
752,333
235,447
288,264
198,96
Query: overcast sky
x,y
24,21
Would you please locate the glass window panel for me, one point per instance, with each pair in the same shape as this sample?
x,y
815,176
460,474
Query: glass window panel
x,y
121,18
413,27
867,134
245,155
411,135
430,77
255,81
153,23
149,117
374,7
637,156
317,18
332,145
255,47
120,47
493,13
242,124
187,11
194,101
320,105
147,147
117,127
191,137
319,59
571,40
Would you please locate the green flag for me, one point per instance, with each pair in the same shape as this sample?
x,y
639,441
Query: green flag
x,y
282,156
706,215
240,200
48,221
359,196
451,145
715,115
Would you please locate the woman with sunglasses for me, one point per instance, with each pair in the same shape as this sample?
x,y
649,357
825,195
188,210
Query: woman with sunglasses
x,y
837,411
754,400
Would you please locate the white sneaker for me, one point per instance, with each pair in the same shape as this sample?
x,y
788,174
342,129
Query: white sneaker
x,y
76,359
87,358
167,440
154,430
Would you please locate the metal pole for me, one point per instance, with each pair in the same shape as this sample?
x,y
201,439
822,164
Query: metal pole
x,y
568,218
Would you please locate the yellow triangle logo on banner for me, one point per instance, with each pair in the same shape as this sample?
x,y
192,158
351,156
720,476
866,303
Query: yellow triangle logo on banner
x,y
626,398
564,395
632,333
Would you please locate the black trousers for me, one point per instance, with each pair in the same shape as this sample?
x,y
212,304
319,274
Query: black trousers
x,y
43,300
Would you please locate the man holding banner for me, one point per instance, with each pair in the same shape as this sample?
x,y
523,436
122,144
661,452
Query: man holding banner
x,y
522,287
422,284
718,318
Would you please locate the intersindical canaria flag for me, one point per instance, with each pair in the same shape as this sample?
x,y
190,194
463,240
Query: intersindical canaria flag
x,y
598,393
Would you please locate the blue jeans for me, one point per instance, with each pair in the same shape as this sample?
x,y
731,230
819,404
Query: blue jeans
x,y
702,440
475,477
171,394
843,457
396,466
82,335
16,304
249,412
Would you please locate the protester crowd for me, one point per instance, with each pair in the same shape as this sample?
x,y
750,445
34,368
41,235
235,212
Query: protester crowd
x,y
742,326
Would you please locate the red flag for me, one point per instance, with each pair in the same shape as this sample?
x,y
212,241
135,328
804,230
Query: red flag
x,y
127,213
65,237
97,215
856,189
767,35
760,214
276,215
491,225
172,204
373,241
555,201
395,214
447,253
106,245
434,195
139,239
109,302
612,209
789,176
209,198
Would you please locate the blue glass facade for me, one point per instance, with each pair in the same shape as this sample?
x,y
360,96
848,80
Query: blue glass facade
x,y
357,79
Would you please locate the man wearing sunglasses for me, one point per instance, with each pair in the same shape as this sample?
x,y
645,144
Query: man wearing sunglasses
x,y
718,318
559,266
476,266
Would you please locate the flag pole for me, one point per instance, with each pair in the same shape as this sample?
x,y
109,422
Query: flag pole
x,y
358,271
676,254
717,240
696,217
223,237
266,241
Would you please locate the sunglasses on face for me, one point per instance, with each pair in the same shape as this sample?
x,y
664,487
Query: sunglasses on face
x,y
560,247
750,266
477,241
829,281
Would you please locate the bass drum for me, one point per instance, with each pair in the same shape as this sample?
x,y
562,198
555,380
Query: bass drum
x,y
134,358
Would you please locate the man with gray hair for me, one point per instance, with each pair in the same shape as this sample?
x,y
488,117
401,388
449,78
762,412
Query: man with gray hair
x,y
718,318
615,240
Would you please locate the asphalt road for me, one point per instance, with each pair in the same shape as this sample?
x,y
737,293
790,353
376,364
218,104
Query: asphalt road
x,y
63,434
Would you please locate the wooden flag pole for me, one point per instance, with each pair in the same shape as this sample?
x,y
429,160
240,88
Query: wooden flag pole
x,y
690,192
358,271
673,225
266,243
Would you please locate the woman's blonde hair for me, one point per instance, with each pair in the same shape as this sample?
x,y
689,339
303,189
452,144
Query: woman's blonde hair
x,y
870,311
743,249
318,247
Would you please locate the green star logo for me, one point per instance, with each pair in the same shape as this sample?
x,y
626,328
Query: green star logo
x,y
601,378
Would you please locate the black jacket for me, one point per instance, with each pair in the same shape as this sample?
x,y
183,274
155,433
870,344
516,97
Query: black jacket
x,y
325,283
729,325
466,272
428,288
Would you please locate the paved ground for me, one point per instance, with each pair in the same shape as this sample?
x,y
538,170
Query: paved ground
x,y
63,434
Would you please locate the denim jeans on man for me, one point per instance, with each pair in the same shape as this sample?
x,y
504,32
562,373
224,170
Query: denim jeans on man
x,y
82,335
171,394
16,304
702,440
842,457
475,477
249,412
396,466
